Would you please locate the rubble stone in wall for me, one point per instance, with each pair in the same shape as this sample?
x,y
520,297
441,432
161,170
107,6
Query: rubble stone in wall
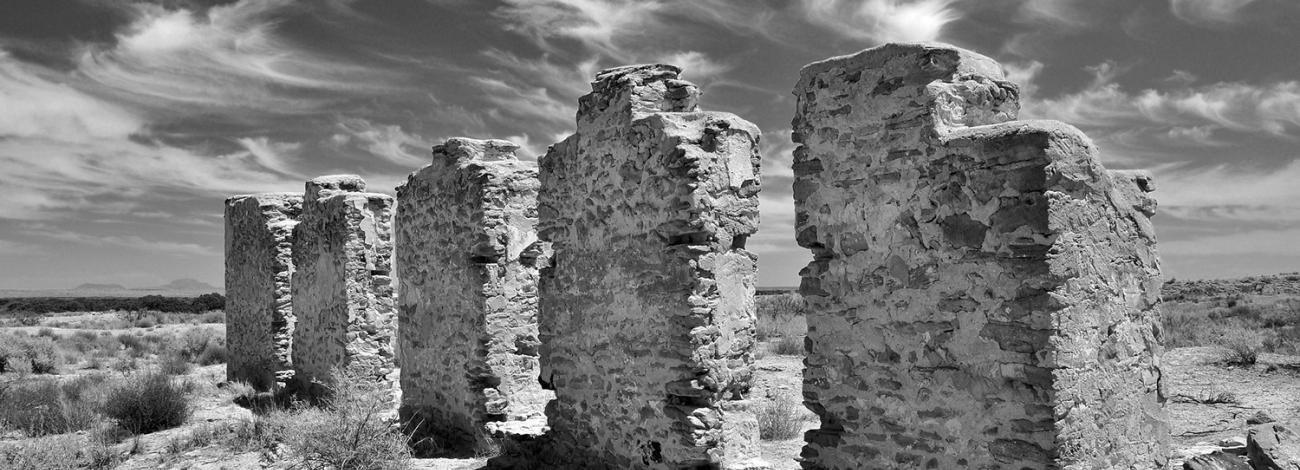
x,y
647,312
259,265
468,298
343,289
983,293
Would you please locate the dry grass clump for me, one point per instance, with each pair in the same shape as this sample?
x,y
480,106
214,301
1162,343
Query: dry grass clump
x,y
779,419
147,402
57,453
1243,327
49,406
779,313
346,430
21,353
781,319
1243,347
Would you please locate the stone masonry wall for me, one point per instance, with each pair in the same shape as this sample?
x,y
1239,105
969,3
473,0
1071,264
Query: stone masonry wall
x,y
647,313
468,297
342,287
259,264
983,293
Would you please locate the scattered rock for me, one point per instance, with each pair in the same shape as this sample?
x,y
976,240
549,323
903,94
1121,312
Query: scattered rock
x,y
1216,461
1235,445
1259,418
1273,447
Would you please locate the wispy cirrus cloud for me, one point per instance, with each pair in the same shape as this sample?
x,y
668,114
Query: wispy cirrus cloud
x,y
227,57
65,151
882,20
386,141
1270,108
1209,12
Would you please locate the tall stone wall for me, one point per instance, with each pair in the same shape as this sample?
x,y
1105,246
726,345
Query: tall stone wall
x,y
983,293
646,312
343,290
468,298
259,265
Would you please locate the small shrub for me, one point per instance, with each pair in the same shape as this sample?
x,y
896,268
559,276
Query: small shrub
x,y
126,364
215,316
1243,346
39,353
214,353
347,431
48,407
789,345
146,322
146,403
192,342
47,333
42,454
1219,397
778,420
174,364
135,346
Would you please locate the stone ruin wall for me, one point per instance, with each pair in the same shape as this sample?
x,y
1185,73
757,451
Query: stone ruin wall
x,y
466,229
647,314
343,292
259,265
983,293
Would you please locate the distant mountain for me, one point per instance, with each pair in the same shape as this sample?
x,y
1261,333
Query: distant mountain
x,y
90,286
188,285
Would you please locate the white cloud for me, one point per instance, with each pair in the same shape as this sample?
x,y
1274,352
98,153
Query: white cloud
x,y
229,57
389,142
1239,192
274,156
80,154
1264,242
1272,108
13,248
133,242
1069,14
882,20
1208,12
35,107
597,24
696,66
527,103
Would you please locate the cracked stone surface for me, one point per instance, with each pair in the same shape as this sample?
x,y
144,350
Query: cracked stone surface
x,y
467,262
343,292
984,294
647,313
259,265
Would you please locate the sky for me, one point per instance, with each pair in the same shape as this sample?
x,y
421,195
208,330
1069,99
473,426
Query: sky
x,y
125,124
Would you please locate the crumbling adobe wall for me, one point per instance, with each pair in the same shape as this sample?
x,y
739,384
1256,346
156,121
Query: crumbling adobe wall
x,y
647,313
342,287
468,298
983,293
259,265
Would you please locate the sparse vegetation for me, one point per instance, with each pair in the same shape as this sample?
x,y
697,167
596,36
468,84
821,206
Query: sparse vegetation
x,y
49,406
1245,327
56,453
779,419
147,402
24,307
346,431
781,320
